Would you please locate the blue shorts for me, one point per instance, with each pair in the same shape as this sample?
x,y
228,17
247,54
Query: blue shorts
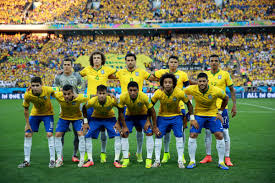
x,y
208,122
89,113
36,120
62,125
167,123
98,123
137,121
225,118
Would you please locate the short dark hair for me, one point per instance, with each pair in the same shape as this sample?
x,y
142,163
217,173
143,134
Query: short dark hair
x,y
174,57
68,60
130,55
36,79
103,58
202,75
132,84
214,55
67,87
168,75
101,88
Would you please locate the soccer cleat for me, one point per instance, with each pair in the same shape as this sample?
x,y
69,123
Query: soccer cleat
x,y
24,164
52,164
181,164
75,159
148,163
80,164
121,160
102,157
223,166
86,157
139,157
156,164
228,161
183,159
88,164
125,163
166,157
58,163
117,164
191,165
206,159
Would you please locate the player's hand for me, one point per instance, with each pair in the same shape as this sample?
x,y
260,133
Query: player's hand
x,y
156,131
194,123
59,72
85,128
124,132
147,125
28,127
117,127
234,111
112,95
184,121
219,116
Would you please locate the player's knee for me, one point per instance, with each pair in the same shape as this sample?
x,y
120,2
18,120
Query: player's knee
x,y
149,134
58,134
193,135
28,134
80,133
49,134
219,135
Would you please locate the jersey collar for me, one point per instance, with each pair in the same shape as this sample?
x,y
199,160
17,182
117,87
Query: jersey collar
x,y
97,69
206,90
216,72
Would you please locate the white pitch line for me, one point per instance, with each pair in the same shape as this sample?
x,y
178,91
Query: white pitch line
x,y
258,112
259,106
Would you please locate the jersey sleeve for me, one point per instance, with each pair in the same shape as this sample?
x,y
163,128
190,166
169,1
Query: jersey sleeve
x,y
26,101
155,97
90,103
158,74
185,77
114,101
118,74
228,80
83,72
220,93
146,74
121,103
187,90
146,102
110,71
183,96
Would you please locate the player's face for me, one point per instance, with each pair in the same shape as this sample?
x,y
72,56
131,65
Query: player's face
x,y
133,92
168,84
102,95
97,60
68,95
67,66
173,63
203,83
214,62
130,62
36,88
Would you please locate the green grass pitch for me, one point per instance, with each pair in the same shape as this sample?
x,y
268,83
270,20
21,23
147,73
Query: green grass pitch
x,y
252,152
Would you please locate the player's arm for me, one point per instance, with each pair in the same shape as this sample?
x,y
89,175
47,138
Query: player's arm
x,y
193,122
85,126
112,76
151,114
233,97
27,115
224,104
192,82
152,77
125,131
154,100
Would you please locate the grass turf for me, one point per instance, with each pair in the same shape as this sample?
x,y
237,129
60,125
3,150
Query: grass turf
x,y
252,152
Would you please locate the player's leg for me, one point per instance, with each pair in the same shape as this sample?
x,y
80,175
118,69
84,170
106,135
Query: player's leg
x,y
226,137
77,125
139,136
125,142
208,142
49,125
103,138
166,144
76,143
184,119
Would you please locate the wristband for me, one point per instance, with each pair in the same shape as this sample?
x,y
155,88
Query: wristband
x,y
220,112
192,117
85,120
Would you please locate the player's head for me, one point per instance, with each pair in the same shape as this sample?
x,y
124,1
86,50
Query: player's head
x,y
97,58
36,85
133,89
168,81
214,61
173,62
202,81
68,92
67,65
130,60
101,93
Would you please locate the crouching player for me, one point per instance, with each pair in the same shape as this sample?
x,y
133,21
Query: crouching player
x,y
207,116
103,117
70,104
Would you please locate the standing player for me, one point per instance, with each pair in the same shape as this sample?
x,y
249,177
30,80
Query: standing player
x,y
182,80
138,107
169,116
70,103
42,110
207,116
220,79
74,79
97,74
103,117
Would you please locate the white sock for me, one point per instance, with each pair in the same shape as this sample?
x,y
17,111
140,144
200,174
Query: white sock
x,y
192,147
81,147
226,141
125,147
27,148
58,147
139,136
208,141
89,148
117,147
51,148
149,146
179,145
166,141
220,145
158,144
103,138
183,140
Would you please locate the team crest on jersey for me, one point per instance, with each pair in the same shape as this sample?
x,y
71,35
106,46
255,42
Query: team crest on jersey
x,y
209,96
177,76
102,72
175,99
139,104
220,77
137,73
109,108
73,103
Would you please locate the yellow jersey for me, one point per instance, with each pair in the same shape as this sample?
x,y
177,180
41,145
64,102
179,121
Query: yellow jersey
x,y
169,105
42,105
71,110
96,77
221,80
205,102
125,76
102,111
139,106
